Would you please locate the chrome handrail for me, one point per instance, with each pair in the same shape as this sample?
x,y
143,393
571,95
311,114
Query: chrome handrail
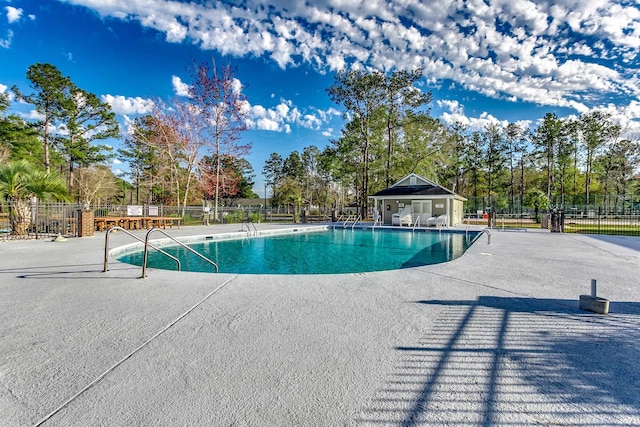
x,y
488,233
355,222
106,247
147,244
416,222
249,233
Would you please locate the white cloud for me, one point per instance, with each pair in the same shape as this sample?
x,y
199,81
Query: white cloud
x,y
310,121
4,90
627,116
268,124
282,109
13,14
327,115
452,105
123,105
509,49
456,114
129,125
33,115
237,86
6,43
117,162
179,87
282,116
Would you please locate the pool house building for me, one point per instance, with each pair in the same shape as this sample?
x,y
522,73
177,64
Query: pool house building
x,y
414,200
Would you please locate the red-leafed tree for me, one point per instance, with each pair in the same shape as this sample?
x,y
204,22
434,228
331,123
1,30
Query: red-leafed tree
x,y
225,179
220,101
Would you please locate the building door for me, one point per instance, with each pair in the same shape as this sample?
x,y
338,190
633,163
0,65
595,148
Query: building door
x,y
422,209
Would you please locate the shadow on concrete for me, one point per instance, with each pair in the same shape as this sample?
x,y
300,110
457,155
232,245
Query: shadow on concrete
x,y
442,251
629,242
67,271
516,361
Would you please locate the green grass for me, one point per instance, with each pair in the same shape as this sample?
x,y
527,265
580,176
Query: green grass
x,y
624,229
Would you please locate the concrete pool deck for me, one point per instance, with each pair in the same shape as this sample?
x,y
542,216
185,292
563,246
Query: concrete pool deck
x,y
495,337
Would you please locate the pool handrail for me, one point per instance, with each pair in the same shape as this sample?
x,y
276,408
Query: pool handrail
x,y
147,244
487,231
416,222
106,247
349,219
250,233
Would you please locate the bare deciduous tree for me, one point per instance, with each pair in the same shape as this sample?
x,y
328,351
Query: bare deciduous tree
x,y
223,107
95,184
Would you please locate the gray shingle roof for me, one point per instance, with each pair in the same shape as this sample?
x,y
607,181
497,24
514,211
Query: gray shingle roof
x,y
414,190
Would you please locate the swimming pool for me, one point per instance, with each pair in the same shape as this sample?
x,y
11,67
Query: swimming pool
x,y
329,251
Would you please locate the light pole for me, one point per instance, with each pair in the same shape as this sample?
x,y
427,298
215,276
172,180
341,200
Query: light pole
x,y
265,201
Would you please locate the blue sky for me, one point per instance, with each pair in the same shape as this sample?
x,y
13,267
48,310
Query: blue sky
x,y
484,60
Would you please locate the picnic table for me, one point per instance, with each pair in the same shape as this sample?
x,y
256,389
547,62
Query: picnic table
x,y
135,222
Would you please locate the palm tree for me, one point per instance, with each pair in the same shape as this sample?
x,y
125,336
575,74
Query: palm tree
x,y
19,182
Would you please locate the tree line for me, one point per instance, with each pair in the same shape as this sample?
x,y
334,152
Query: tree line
x,y
189,149
389,133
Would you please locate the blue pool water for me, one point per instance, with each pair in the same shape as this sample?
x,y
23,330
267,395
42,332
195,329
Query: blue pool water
x,y
323,252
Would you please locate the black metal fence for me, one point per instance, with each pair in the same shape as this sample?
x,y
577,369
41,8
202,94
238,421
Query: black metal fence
x,y
53,219
600,223
47,220
193,215
591,222
621,204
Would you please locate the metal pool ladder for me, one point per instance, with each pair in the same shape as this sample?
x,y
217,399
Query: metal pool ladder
x,y
147,244
106,247
416,223
250,233
146,250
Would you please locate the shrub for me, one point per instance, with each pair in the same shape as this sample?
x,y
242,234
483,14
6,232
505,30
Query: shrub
x,y
233,217
255,217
